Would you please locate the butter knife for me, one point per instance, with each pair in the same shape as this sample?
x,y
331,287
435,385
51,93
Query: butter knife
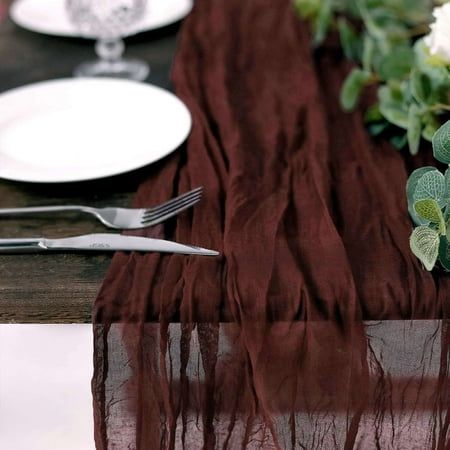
x,y
102,243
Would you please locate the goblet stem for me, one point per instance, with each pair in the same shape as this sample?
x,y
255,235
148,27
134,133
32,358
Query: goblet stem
x,y
111,64
110,49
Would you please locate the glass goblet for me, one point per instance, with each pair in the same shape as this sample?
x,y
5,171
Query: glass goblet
x,y
108,21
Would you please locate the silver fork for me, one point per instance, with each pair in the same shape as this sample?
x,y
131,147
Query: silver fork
x,y
122,218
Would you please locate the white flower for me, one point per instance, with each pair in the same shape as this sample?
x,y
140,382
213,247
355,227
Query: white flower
x,y
438,41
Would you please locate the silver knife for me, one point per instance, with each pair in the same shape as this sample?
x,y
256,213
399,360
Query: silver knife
x,y
100,242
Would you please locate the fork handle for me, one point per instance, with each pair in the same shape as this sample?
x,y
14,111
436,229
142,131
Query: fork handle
x,y
43,209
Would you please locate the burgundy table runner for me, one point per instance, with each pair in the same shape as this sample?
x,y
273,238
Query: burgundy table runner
x,y
300,334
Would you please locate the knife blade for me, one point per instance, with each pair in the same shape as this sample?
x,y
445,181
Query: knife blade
x,y
101,242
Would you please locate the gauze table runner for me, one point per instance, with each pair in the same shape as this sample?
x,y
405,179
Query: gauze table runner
x,y
317,327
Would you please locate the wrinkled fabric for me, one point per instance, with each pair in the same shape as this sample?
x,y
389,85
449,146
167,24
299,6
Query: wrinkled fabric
x,y
4,6
202,386
316,327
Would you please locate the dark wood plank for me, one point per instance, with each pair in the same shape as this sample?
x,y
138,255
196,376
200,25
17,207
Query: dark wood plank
x,y
60,288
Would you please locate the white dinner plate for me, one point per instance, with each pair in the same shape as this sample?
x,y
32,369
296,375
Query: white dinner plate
x,y
50,17
81,129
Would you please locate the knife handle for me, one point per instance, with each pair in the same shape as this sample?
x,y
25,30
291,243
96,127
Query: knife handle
x,y
21,245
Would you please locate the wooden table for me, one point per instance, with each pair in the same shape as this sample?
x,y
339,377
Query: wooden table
x,y
61,288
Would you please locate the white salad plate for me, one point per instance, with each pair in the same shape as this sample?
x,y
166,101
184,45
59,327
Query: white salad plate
x,y
84,128
50,17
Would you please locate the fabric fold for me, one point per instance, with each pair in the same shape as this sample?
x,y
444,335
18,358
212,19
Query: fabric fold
x,y
296,336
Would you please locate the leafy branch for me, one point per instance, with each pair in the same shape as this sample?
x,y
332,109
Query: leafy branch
x,y
428,194
384,39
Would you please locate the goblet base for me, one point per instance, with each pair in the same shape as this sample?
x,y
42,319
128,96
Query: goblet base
x,y
131,69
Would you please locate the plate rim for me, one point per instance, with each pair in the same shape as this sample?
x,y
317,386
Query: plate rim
x,y
111,173
16,18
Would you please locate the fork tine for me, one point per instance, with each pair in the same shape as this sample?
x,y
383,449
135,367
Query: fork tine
x,y
195,191
175,201
177,205
170,212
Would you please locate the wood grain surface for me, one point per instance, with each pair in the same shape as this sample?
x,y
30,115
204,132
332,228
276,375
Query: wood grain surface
x,y
60,288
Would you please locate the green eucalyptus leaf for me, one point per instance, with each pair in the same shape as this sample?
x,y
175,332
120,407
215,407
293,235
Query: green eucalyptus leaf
x,y
368,52
396,91
323,21
395,115
376,129
444,253
373,114
307,8
447,186
421,88
414,11
414,128
430,126
414,178
399,141
370,23
447,214
431,185
382,24
386,14
405,87
352,87
350,40
429,210
396,64
410,189
392,105
441,143
424,243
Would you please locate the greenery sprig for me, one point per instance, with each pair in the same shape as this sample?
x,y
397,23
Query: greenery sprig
x,y
428,194
385,39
